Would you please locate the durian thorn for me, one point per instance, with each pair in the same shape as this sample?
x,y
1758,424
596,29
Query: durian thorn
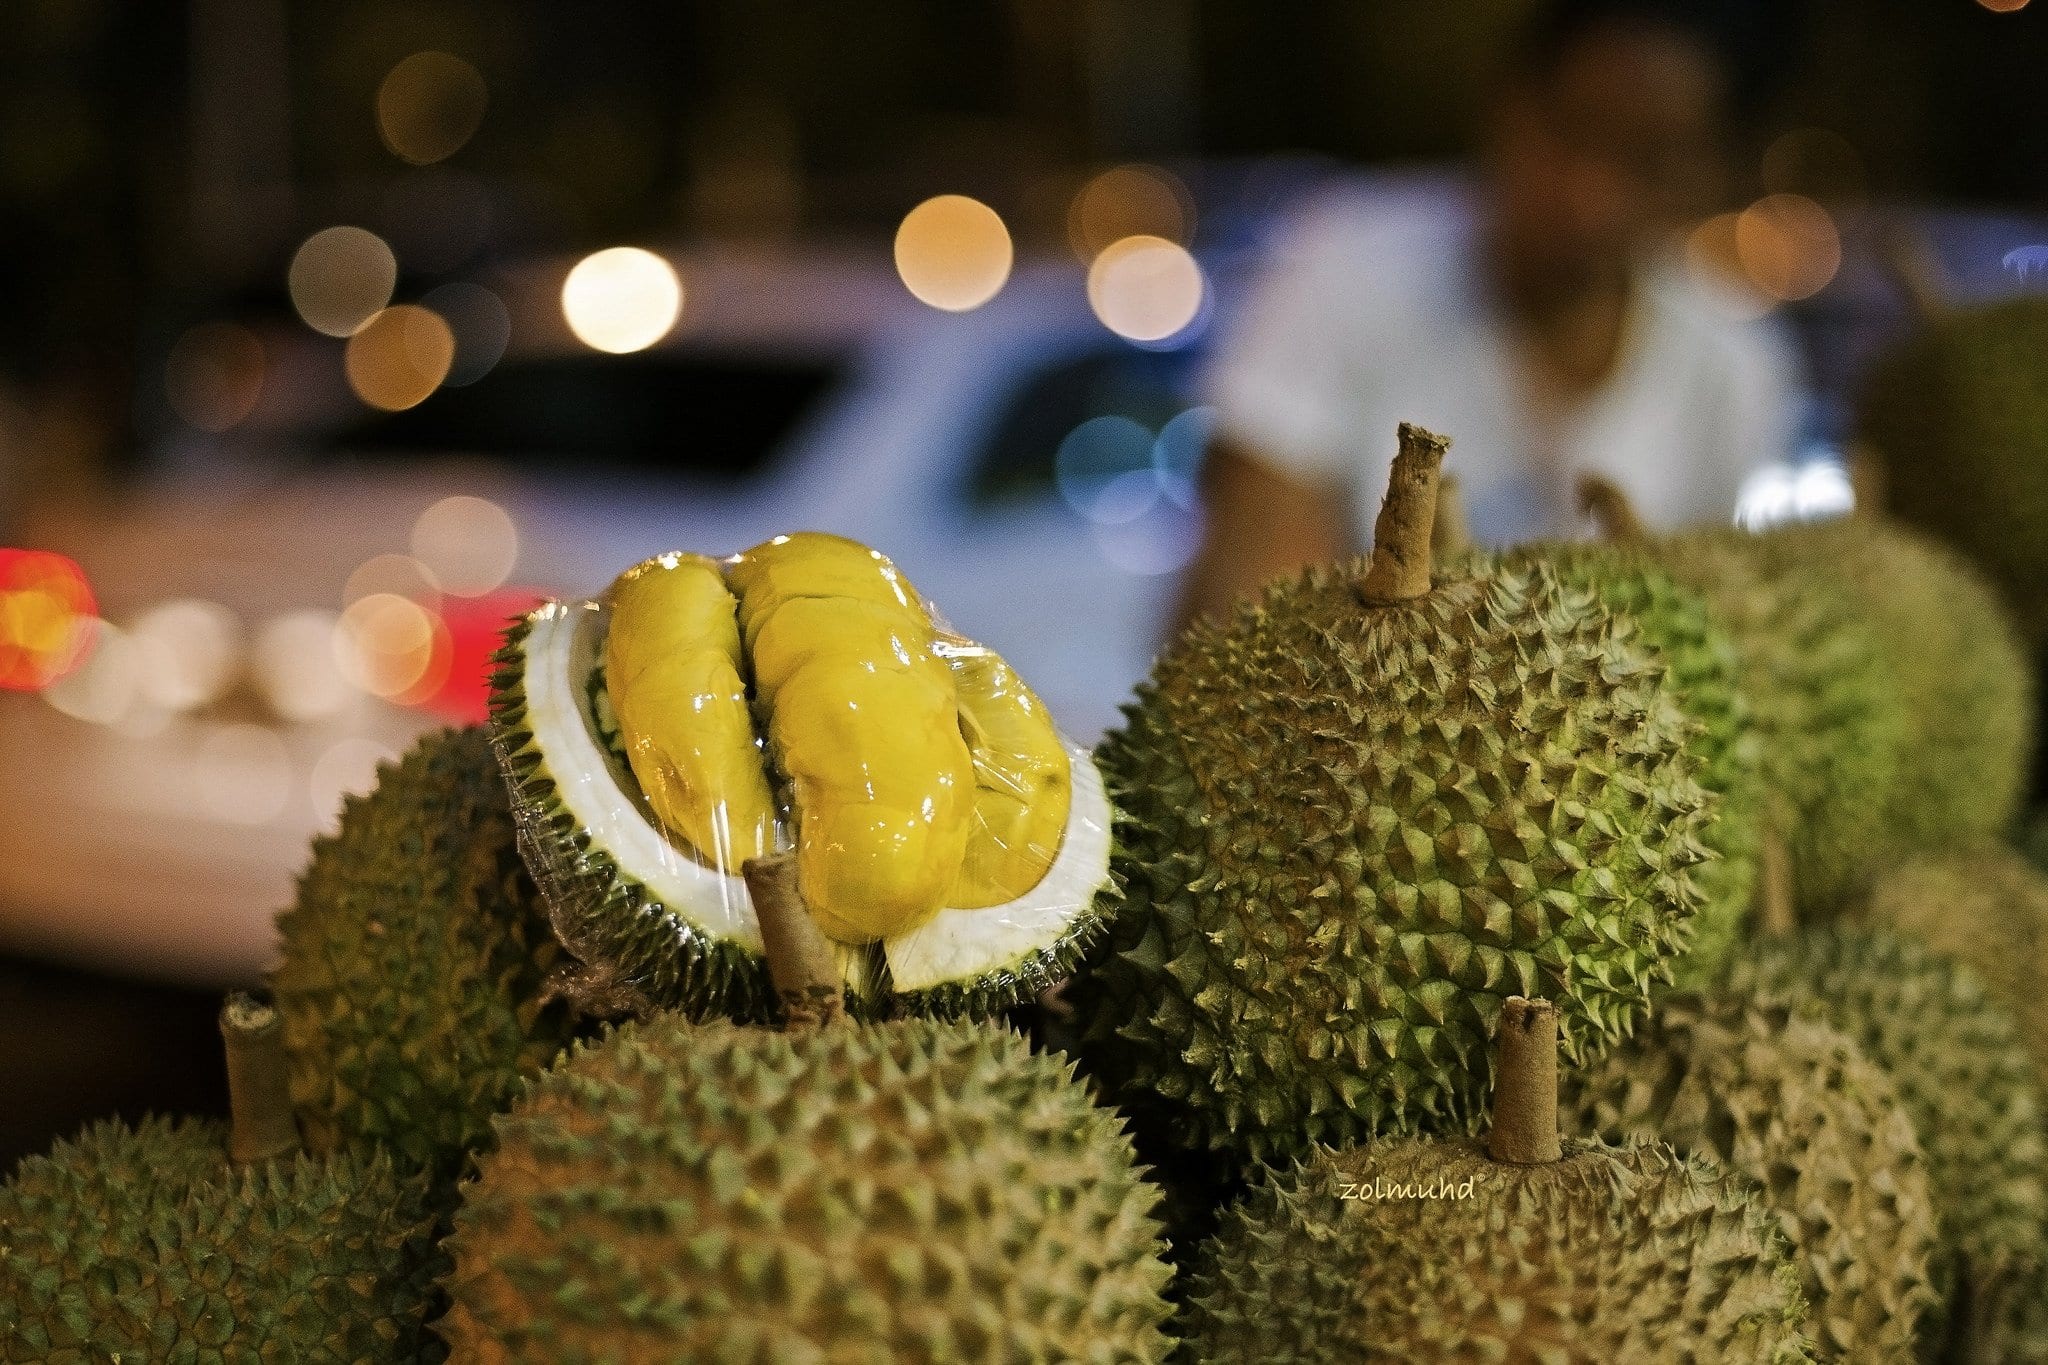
x,y
800,958
1776,916
1609,507
1452,534
259,1093
1525,1085
1400,566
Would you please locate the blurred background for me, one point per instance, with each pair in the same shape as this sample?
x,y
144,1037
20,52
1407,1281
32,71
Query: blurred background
x,y
336,333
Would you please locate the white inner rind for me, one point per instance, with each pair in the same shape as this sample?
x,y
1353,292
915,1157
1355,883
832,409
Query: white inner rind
x,y
956,945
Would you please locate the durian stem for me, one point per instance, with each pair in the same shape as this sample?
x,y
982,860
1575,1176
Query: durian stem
x,y
1452,534
800,959
1776,917
1609,507
259,1091
1400,566
1525,1085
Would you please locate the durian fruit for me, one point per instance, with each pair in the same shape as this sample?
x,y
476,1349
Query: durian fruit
x,y
1524,1250
905,1191
1951,653
1829,719
1986,905
1959,413
1364,811
799,695
1793,1104
190,1241
414,962
1966,1081
1678,627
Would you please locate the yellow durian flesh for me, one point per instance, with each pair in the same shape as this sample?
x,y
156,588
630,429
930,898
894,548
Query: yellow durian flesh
x,y
1023,779
672,668
861,718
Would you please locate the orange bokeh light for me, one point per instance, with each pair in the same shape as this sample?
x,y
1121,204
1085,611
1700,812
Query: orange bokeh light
x,y
46,616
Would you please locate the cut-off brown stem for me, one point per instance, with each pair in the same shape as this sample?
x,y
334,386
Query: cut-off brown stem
x,y
1609,507
259,1093
1525,1085
1400,566
800,958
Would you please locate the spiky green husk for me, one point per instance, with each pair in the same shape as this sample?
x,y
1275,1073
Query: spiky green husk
x,y
910,1191
1681,631
1793,1104
413,962
1829,720
1350,833
1960,413
1611,1254
145,1244
1965,1078
1950,651
1987,906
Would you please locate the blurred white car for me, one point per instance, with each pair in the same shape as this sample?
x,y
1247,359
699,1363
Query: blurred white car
x,y
285,607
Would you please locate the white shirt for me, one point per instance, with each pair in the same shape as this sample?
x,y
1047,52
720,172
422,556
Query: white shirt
x,y
1372,312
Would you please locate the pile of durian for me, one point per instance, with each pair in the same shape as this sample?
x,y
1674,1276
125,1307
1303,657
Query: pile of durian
x,y
1584,953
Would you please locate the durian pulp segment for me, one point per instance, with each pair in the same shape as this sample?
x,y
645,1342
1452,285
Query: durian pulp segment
x,y
672,668
861,719
563,644
1022,778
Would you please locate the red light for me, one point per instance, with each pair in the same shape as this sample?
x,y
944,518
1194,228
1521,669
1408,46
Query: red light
x,y
460,690
46,616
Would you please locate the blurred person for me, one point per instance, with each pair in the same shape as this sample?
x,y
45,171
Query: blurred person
x,y
1536,313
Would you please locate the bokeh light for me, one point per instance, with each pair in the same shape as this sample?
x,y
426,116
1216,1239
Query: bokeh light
x,y
242,773
400,357
341,277
46,618
1103,469
1163,541
2003,6
429,105
1129,201
191,652
106,685
622,299
1712,258
392,647
398,574
1146,289
480,323
293,663
1779,493
1788,246
467,544
347,768
953,253
214,375
1178,452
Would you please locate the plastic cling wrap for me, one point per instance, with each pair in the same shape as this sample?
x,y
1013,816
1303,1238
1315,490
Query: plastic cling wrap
x,y
798,698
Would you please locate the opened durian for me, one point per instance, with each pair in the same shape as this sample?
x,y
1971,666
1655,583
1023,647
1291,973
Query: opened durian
x,y
1959,412
190,1241
1363,812
1526,1249
1964,1076
801,695
917,1190
414,960
1793,1104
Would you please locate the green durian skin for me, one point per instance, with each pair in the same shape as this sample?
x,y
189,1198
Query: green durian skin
x,y
1383,1255
1829,718
1793,1104
913,1191
1704,664
1955,1056
1350,833
1951,652
1959,413
414,960
145,1244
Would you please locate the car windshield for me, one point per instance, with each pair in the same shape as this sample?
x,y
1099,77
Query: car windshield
x,y
698,414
